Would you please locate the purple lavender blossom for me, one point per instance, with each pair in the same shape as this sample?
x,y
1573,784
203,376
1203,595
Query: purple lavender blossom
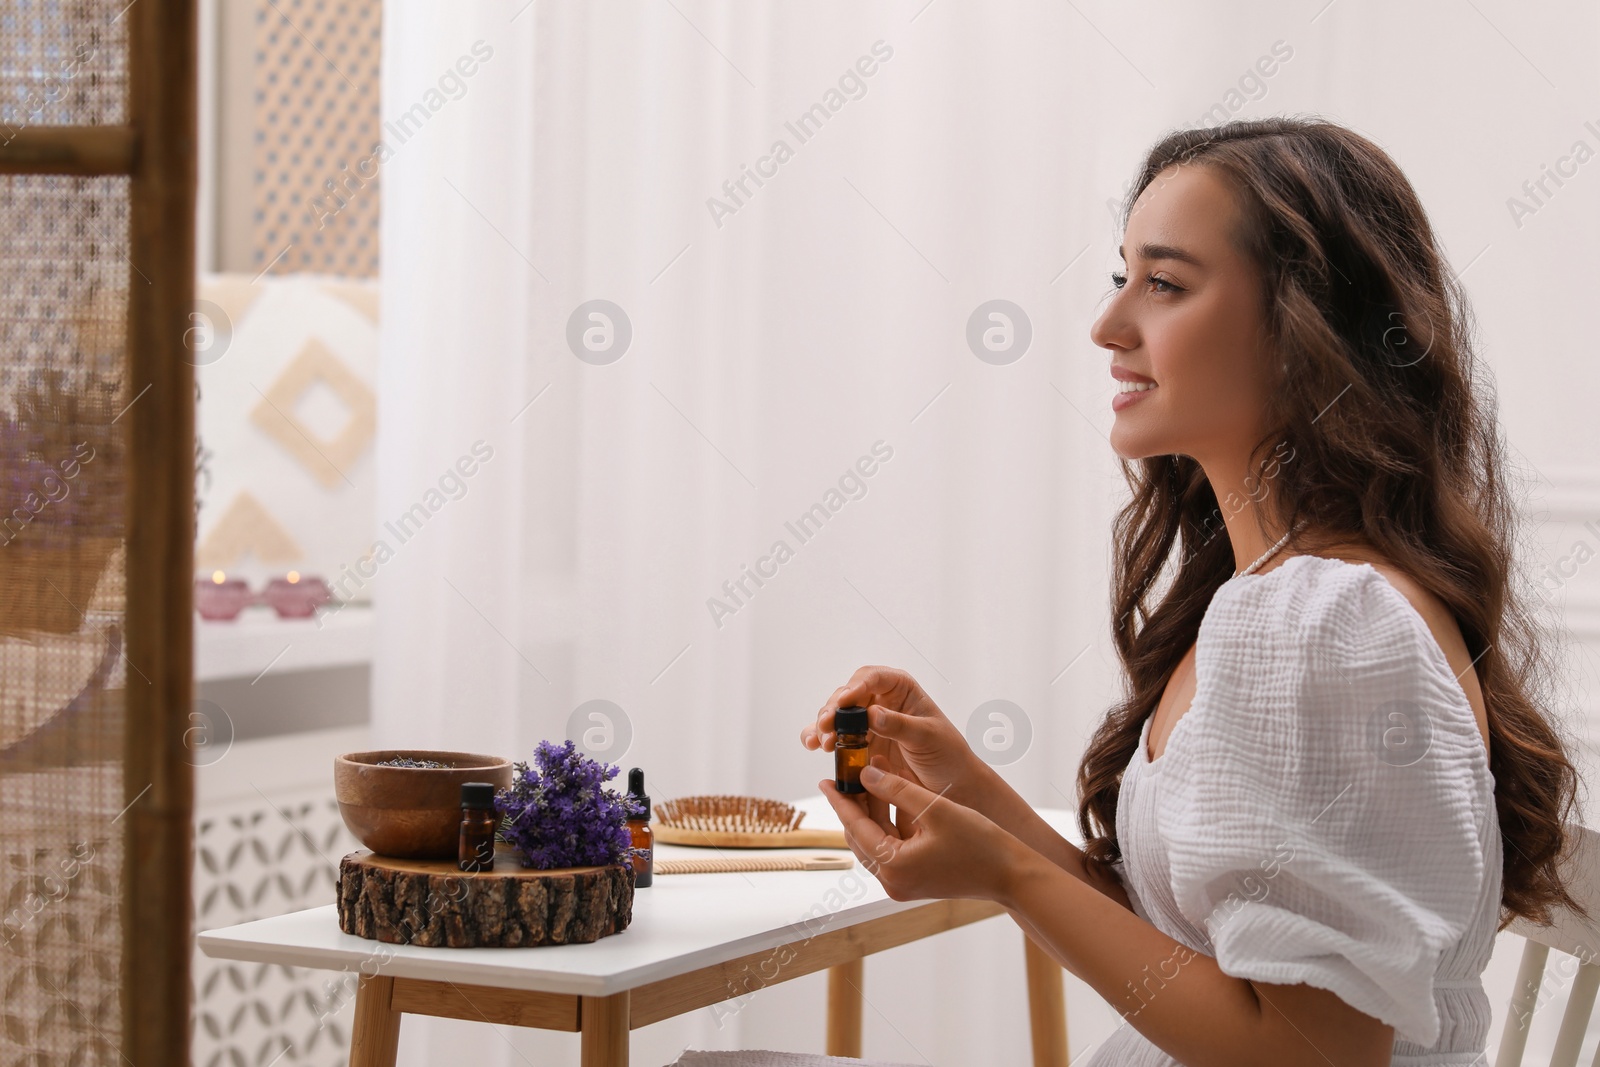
x,y
562,815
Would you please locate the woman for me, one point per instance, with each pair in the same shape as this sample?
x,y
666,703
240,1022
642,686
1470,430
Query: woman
x,y
1330,781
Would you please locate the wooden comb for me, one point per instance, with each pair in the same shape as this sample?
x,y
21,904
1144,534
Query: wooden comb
x,y
817,861
738,822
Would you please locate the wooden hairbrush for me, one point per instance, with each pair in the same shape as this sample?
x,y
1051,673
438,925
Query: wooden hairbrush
x,y
816,861
738,822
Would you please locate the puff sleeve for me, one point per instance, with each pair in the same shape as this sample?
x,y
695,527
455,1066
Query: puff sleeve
x,y
1328,809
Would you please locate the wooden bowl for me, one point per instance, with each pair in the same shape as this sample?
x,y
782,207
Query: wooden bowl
x,y
410,812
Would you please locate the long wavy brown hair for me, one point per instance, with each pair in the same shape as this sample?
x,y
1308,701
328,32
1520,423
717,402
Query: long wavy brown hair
x,y
1368,318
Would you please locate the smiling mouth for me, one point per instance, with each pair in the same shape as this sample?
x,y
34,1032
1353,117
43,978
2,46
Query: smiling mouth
x,y
1134,387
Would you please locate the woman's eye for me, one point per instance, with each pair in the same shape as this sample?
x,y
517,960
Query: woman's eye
x,y
1119,279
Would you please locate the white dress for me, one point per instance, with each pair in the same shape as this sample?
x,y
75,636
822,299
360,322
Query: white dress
x,y
1323,813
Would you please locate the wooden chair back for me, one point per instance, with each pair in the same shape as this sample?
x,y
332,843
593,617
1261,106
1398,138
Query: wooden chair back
x,y
1578,940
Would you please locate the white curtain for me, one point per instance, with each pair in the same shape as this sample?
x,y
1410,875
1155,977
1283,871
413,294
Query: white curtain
x,y
546,156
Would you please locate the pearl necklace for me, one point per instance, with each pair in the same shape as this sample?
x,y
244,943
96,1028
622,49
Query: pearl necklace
x,y
1269,553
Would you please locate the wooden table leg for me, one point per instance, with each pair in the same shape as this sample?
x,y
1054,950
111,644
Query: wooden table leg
x,y
1047,1006
604,1022
844,1008
375,1038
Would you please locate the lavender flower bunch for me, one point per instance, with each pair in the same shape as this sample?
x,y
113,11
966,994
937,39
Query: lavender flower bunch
x,y
562,815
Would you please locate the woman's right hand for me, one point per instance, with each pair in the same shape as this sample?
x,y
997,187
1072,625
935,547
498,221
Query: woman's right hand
x,y
907,728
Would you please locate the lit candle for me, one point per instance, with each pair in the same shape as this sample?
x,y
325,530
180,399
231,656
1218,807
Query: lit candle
x,y
220,597
297,596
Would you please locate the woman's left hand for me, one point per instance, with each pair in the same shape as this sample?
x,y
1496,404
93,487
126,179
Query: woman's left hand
x,y
934,848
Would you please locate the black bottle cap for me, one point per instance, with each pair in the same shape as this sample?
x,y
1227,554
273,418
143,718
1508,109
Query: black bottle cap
x,y
477,795
636,793
850,721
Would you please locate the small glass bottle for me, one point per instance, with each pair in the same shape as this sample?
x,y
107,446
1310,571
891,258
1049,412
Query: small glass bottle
x,y
643,838
479,820
849,749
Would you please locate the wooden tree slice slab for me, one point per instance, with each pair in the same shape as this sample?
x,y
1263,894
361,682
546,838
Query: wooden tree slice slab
x,y
433,904
684,835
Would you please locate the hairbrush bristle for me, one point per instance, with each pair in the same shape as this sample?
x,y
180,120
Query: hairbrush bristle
x,y
751,815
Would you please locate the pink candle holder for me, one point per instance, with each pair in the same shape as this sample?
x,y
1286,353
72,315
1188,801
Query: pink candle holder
x,y
297,597
220,598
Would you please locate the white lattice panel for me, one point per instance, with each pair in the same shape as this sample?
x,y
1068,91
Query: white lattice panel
x,y
271,847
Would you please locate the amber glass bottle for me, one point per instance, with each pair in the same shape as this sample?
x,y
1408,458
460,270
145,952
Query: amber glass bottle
x,y
479,820
849,749
644,838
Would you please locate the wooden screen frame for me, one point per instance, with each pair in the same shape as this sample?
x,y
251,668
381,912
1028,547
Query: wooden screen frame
x,y
157,150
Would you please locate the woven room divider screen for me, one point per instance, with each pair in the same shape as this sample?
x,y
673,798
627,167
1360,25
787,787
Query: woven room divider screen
x,y
97,177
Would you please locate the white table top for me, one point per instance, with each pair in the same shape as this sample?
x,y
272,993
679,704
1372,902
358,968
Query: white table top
x,y
681,923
